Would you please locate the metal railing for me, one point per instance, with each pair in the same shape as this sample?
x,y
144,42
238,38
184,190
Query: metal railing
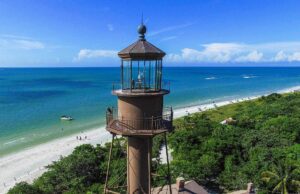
x,y
165,85
165,121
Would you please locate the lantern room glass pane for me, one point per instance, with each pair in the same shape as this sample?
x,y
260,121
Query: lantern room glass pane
x,y
126,75
141,75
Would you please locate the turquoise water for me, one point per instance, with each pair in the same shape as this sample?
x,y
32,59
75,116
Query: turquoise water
x,y
32,100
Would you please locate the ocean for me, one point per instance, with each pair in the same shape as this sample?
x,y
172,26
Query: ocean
x,y
33,99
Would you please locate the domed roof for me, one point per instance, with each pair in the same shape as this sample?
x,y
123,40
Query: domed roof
x,y
141,49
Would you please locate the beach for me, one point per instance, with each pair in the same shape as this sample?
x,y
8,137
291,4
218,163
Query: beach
x,y
29,164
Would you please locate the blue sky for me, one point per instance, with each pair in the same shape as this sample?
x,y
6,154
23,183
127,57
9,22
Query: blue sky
x,y
41,33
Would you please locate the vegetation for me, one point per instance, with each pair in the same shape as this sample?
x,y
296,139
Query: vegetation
x,y
282,177
23,187
227,157
261,146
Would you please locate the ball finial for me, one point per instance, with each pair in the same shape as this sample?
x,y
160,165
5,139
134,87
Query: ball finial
x,y
142,30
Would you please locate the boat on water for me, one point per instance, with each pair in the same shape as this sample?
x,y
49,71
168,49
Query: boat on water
x,y
66,118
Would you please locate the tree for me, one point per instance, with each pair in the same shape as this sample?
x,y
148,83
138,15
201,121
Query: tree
x,y
230,156
283,178
24,188
76,172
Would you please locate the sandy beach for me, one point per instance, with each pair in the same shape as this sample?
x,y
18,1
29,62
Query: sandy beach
x,y
29,164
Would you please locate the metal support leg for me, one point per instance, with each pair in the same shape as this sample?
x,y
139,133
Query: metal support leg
x,y
149,164
168,164
108,165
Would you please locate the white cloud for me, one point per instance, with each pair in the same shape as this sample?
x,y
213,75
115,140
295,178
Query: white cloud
x,y
169,28
215,52
294,57
88,54
291,57
168,38
15,36
28,44
280,56
239,52
110,27
19,42
229,52
253,56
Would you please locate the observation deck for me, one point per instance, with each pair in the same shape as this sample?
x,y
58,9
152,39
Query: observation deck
x,y
147,126
140,90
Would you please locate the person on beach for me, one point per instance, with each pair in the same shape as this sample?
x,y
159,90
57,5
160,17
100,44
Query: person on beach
x,y
109,110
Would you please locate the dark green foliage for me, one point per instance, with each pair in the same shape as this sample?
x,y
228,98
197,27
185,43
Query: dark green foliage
x,y
118,166
76,172
283,178
24,188
229,156
156,145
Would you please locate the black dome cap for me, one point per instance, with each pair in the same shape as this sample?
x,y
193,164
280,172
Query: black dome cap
x,y
142,31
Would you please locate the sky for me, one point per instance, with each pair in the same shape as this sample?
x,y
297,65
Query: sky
x,y
89,33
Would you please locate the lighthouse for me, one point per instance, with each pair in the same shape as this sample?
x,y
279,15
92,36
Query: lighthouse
x,y
140,114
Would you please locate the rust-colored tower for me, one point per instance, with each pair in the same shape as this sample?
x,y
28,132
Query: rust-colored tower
x,y
140,114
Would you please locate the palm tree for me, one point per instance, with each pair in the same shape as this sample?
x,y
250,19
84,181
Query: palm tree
x,y
284,178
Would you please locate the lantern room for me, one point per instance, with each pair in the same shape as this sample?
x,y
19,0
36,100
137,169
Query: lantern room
x,y
141,65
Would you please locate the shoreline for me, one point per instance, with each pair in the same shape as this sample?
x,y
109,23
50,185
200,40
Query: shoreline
x,y
24,165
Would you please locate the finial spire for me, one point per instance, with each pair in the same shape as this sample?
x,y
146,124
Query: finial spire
x,y
142,29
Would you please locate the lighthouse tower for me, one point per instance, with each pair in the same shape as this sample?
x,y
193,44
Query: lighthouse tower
x,y
140,114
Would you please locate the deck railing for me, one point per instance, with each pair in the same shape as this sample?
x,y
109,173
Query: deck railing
x,y
165,121
165,85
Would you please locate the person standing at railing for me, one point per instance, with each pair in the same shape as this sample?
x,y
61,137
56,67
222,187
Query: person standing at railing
x,y
109,114
132,84
140,80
